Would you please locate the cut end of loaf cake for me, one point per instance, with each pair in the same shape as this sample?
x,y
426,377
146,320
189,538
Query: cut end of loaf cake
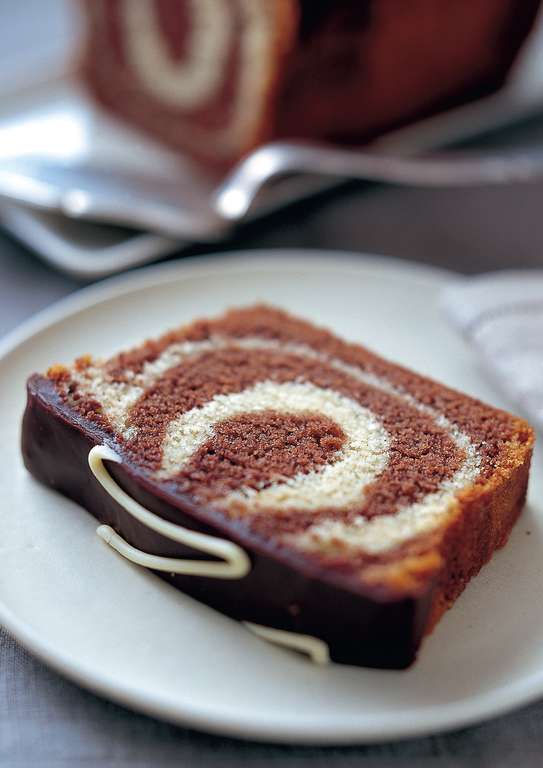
x,y
213,79
313,446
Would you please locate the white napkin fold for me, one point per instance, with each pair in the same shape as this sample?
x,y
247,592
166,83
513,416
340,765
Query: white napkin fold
x,y
501,314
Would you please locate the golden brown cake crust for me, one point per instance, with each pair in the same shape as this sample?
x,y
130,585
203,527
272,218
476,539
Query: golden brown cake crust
x,y
485,519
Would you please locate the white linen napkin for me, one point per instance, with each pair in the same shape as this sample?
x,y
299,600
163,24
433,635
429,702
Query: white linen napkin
x,y
501,314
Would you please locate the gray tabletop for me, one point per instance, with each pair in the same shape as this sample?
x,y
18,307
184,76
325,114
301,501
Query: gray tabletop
x,y
47,721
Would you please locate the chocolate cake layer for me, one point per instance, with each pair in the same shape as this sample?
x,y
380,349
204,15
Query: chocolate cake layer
x,y
365,495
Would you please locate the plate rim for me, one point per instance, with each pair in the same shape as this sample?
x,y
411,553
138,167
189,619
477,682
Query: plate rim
x,y
253,258
450,716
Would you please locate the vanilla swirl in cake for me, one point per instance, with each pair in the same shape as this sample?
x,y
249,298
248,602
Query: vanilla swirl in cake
x,y
302,437
210,63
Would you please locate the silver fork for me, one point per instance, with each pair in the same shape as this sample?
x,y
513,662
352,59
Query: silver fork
x,y
181,209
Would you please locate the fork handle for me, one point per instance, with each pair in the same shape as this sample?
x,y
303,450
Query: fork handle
x,y
454,169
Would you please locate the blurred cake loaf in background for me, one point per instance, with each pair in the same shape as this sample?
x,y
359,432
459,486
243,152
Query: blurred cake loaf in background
x,y
215,78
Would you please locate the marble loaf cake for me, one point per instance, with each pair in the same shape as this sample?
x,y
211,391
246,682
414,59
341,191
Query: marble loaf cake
x,y
334,501
215,78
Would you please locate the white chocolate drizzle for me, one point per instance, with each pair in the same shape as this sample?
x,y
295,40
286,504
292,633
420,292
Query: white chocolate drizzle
x,y
317,650
235,561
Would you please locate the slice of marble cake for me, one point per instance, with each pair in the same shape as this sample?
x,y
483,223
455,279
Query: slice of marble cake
x,y
334,501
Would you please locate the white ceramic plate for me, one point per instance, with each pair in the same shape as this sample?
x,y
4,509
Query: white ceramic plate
x,y
118,630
